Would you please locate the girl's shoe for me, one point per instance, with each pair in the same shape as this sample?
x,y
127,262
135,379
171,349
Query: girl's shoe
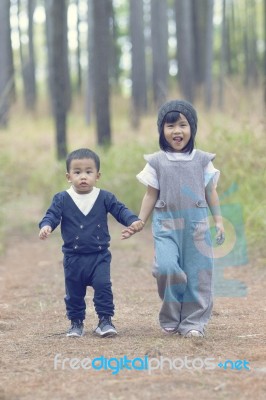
x,y
169,331
194,333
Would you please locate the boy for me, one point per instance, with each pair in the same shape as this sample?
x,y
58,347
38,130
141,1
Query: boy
x,y
82,211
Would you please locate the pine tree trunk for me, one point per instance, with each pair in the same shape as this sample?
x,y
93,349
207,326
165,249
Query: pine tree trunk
x,y
138,64
159,41
56,12
209,55
6,63
101,33
185,46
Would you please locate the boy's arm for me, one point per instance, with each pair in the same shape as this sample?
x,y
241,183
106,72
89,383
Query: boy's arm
x,y
146,209
119,211
214,206
52,217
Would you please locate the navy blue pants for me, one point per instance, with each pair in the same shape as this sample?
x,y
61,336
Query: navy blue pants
x,y
88,270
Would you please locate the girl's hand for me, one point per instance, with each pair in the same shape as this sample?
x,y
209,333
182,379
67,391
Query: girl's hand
x,y
137,226
220,237
45,232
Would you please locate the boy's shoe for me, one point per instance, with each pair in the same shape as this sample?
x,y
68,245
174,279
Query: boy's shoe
x,y
105,327
194,333
76,329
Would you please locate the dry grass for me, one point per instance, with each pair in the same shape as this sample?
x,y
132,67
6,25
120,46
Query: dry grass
x,y
32,326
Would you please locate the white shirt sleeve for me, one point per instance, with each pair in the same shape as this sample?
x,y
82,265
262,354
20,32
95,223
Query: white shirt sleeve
x,y
148,177
211,173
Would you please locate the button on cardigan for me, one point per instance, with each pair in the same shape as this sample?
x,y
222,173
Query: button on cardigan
x,y
86,234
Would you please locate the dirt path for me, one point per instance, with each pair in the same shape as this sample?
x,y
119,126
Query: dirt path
x,y
32,322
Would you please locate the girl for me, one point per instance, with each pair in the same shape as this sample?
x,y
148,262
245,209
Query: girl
x,y
181,184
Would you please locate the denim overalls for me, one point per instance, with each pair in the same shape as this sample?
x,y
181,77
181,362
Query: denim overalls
x,y
183,262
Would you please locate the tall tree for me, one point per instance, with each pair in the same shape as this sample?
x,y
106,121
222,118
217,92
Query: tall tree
x,y
138,64
199,11
56,16
27,57
89,96
264,66
78,52
222,56
101,9
250,44
209,55
185,48
159,42
114,47
6,62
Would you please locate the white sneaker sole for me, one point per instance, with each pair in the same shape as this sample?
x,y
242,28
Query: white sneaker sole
x,y
170,331
109,333
75,334
194,333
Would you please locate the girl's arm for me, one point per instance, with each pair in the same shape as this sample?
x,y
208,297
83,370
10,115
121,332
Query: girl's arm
x,y
148,203
146,209
214,205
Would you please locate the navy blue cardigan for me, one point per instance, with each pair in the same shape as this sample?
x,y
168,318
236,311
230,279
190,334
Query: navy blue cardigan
x,y
86,234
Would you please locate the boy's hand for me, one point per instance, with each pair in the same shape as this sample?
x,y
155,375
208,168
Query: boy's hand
x,y
220,237
45,232
136,226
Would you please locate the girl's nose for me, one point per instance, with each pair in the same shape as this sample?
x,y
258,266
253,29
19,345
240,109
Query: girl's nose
x,y
177,129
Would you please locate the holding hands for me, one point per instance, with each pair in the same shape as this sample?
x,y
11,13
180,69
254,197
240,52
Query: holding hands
x,y
136,226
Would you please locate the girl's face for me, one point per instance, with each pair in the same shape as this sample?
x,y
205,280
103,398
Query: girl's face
x,y
83,175
177,134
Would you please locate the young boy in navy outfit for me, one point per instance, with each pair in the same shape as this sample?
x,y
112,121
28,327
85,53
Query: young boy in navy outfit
x,y
82,211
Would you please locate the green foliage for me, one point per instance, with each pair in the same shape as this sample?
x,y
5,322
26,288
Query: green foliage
x,y
241,160
31,175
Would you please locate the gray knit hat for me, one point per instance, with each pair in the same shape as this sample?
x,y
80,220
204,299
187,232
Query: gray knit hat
x,y
182,106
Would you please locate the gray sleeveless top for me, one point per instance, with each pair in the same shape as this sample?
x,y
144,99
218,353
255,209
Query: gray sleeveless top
x,y
181,182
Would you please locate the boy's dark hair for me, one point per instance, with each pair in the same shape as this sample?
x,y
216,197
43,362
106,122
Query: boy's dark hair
x,y
80,154
170,118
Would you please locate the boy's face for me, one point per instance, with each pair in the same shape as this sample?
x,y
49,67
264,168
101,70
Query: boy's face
x,y
177,134
83,175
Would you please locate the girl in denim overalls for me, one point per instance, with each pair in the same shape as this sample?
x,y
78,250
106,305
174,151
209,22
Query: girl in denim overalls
x,y
181,185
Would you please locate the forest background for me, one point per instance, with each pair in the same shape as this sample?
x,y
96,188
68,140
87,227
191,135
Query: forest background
x,y
93,73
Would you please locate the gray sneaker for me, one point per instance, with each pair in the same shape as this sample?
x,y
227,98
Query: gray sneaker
x,y
76,329
105,327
